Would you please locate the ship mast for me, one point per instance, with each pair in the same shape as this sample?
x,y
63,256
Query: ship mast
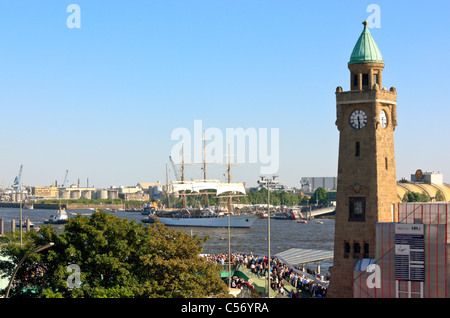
x,y
183,163
204,167
229,164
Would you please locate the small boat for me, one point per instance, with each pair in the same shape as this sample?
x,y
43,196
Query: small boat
x,y
24,225
149,208
60,218
261,215
287,215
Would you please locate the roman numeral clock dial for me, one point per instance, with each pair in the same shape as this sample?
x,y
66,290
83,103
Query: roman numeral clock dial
x,y
358,119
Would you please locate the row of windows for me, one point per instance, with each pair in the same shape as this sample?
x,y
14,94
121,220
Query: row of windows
x,y
357,253
365,79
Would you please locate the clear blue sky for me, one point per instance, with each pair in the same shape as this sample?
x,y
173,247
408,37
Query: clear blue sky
x,y
103,100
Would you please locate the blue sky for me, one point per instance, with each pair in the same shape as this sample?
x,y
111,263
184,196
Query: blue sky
x,y
102,100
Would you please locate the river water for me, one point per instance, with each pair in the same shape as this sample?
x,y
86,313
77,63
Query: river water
x,y
284,234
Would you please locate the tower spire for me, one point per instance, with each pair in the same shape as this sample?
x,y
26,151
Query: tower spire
x,y
366,62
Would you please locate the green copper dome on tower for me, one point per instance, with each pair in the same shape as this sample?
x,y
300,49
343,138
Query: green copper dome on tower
x,y
366,50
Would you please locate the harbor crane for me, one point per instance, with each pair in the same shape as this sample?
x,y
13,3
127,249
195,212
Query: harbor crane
x,y
174,169
17,179
65,179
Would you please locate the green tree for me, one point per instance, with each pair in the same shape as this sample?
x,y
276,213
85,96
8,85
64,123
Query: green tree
x,y
439,196
116,257
321,195
412,196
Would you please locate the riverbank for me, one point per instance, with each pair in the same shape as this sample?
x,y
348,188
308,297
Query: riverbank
x,y
67,206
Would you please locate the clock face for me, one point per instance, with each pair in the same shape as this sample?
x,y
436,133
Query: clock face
x,y
383,119
358,119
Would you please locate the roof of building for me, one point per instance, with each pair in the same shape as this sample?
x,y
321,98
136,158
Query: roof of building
x,y
430,189
295,256
146,185
366,50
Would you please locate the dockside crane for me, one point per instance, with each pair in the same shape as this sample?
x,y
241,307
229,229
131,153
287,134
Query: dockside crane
x,y
17,179
174,169
65,179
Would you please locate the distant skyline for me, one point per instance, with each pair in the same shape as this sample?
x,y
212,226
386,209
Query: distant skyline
x,y
102,100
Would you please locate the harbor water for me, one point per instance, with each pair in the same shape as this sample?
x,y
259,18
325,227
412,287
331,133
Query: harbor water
x,y
284,234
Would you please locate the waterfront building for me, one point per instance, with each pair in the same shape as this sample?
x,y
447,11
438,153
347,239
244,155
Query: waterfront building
x,y
74,192
45,192
135,196
383,248
366,184
153,189
274,185
411,257
310,184
429,183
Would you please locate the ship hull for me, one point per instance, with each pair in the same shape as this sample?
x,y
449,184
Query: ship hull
x,y
236,221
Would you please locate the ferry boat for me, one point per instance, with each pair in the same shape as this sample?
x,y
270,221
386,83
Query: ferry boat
x,y
202,218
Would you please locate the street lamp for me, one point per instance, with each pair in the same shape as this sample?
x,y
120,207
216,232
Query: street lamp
x,y
268,235
36,250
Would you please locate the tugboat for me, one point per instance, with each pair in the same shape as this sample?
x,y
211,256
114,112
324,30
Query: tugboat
x,y
60,218
149,208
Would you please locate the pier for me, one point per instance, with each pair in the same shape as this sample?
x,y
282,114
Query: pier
x,y
292,279
321,212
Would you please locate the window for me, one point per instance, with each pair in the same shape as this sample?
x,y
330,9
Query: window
x,y
386,163
355,80
356,249
346,249
357,149
357,209
366,250
375,78
365,79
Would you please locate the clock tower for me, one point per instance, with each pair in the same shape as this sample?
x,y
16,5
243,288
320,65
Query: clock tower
x,y
366,186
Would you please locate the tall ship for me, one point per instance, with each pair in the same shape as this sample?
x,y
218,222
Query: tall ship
x,y
203,216
208,216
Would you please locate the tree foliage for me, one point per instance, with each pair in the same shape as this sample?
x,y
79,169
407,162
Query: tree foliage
x,y
116,257
439,196
320,195
412,196
276,198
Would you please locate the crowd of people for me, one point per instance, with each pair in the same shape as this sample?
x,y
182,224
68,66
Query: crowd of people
x,y
280,274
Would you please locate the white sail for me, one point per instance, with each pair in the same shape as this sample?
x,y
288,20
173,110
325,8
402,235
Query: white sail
x,y
176,187
230,187
199,185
